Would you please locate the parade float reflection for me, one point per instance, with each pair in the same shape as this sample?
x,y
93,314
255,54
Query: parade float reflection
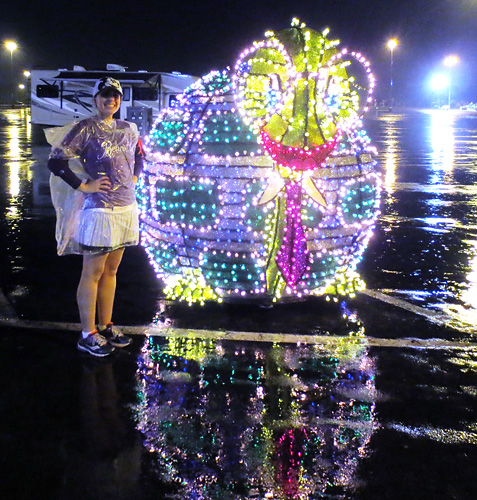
x,y
235,420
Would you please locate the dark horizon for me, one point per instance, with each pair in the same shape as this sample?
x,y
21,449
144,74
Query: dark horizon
x,y
197,38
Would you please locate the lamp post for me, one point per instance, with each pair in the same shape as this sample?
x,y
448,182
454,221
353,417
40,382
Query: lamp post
x,y
450,61
11,46
392,44
439,82
22,87
27,75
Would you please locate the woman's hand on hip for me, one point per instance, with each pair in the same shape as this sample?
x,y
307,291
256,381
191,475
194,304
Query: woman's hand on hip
x,y
101,185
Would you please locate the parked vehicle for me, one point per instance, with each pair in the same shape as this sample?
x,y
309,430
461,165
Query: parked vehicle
x,y
61,96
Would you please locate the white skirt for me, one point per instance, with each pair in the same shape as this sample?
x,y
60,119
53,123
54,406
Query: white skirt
x,y
103,230
97,230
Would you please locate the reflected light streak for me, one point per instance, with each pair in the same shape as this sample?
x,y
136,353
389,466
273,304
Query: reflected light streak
x,y
13,214
466,312
448,436
469,296
390,151
13,154
13,179
390,166
442,143
13,145
18,132
27,119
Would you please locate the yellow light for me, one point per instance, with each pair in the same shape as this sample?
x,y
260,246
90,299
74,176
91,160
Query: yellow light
x,y
11,46
392,44
451,60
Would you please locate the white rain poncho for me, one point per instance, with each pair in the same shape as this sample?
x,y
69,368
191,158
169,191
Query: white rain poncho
x,y
95,222
67,201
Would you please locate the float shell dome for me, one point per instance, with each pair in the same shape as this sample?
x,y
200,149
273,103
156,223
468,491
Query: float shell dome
x,y
260,182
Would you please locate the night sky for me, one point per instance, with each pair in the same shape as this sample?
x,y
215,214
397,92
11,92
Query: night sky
x,y
194,36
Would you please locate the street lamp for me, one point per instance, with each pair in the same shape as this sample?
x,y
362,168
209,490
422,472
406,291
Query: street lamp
x,y
11,46
21,86
439,82
27,75
392,44
450,61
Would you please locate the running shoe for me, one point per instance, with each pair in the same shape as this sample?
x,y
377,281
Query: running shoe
x,y
96,345
115,337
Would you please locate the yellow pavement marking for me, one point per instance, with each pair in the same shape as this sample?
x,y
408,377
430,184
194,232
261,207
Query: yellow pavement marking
x,y
439,318
281,338
9,318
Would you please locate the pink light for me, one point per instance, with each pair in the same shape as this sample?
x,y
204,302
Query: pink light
x,y
296,158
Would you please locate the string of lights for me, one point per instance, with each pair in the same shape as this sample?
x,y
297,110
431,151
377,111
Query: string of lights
x,y
261,182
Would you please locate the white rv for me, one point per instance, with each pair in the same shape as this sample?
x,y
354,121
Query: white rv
x,y
62,96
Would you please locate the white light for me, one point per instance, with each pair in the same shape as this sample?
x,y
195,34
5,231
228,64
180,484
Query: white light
x,y
451,61
392,44
11,46
440,82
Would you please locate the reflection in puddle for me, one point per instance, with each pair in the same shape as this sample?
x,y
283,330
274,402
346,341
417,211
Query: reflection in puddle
x,y
447,436
469,296
390,150
464,309
105,462
465,429
17,155
432,203
442,146
18,149
227,420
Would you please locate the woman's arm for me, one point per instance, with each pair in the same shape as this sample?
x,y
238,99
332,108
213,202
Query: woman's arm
x,y
59,166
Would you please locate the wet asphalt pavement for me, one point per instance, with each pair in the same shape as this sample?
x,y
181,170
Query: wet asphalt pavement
x,y
370,398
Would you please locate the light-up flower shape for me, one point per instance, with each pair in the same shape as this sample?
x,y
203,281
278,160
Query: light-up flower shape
x,y
294,90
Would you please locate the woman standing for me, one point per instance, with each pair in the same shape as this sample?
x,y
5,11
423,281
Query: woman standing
x,y
111,155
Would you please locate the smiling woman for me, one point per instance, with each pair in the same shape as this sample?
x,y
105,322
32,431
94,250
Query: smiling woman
x,y
108,104
104,216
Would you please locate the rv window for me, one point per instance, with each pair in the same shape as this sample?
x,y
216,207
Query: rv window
x,y
50,91
145,94
173,101
126,93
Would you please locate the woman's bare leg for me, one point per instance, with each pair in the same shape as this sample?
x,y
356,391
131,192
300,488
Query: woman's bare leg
x,y
87,293
107,287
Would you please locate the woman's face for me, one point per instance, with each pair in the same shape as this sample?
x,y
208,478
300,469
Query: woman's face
x,y
108,102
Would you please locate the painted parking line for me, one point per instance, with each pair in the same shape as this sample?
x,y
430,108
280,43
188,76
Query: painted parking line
x,y
432,316
278,338
9,318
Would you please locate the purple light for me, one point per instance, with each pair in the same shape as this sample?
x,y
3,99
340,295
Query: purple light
x,y
292,258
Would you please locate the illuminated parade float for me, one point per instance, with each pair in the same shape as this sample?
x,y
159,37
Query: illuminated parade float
x,y
261,183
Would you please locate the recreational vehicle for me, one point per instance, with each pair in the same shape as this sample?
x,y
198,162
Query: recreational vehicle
x,y
62,96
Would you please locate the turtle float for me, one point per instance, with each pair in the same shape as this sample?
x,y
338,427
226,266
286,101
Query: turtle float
x,y
261,182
